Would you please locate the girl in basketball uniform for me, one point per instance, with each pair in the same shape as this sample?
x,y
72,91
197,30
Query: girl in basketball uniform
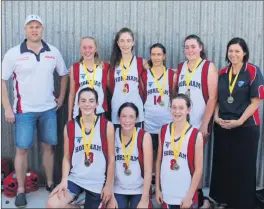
x,y
133,167
90,72
88,162
180,159
159,83
198,78
124,80
237,129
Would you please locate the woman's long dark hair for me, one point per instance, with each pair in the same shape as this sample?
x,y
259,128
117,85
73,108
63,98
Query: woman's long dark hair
x,y
157,45
201,44
87,89
187,100
116,52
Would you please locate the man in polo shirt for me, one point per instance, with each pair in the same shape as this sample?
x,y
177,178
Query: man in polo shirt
x,y
31,65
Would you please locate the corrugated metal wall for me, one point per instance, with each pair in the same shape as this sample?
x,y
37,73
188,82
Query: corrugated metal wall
x,y
167,22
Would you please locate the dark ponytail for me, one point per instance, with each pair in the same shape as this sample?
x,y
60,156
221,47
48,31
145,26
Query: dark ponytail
x,y
201,44
116,52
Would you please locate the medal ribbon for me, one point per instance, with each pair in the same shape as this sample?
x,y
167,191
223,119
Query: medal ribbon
x,y
160,89
190,75
90,139
127,156
90,80
231,87
123,71
177,151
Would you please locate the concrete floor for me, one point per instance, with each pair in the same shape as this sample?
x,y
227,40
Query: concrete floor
x,y
38,199
35,199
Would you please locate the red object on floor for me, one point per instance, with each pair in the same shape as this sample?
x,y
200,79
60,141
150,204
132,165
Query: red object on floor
x,y
11,185
5,170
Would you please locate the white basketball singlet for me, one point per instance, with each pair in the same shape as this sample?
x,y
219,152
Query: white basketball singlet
x,y
132,85
156,113
175,183
198,104
90,177
98,86
127,184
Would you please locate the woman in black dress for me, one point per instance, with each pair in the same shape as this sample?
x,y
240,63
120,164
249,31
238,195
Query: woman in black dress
x,y
236,129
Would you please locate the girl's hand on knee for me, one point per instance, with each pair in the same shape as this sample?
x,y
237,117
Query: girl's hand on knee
x,y
61,188
54,191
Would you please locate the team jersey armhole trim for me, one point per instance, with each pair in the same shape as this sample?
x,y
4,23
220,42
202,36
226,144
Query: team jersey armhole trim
x,y
191,161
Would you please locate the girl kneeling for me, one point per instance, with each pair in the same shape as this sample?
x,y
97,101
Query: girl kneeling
x,y
133,167
180,159
87,165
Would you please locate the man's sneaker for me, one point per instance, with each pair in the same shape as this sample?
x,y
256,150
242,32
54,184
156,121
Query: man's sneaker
x,y
21,200
50,188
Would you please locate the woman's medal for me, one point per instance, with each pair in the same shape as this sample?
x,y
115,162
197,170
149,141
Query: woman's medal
x,y
231,99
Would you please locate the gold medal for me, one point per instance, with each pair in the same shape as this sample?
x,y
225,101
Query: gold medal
x,y
162,103
127,155
87,146
188,76
176,151
176,167
124,73
87,163
161,89
127,172
230,99
188,93
124,90
91,81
